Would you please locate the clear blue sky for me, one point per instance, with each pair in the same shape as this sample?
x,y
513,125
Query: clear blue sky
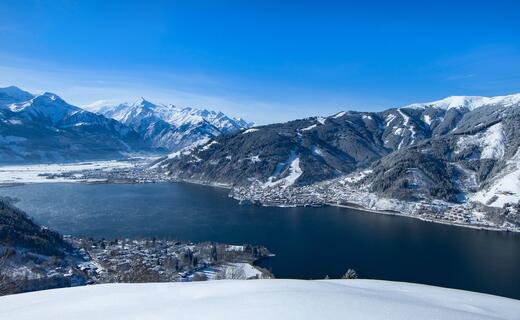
x,y
266,61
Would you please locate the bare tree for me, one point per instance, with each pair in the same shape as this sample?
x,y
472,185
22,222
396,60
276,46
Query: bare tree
x,y
350,274
7,284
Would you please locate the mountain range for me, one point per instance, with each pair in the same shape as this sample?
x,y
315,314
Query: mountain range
x,y
170,127
44,128
457,150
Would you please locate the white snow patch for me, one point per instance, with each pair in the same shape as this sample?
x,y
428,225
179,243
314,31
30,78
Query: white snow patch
x,y
207,146
188,149
389,119
258,300
317,151
427,119
255,159
505,188
356,176
406,123
321,120
33,173
470,102
234,248
339,114
309,127
241,270
250,130
491,141
294,173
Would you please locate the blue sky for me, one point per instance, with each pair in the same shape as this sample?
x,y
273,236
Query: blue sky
x,y
266,61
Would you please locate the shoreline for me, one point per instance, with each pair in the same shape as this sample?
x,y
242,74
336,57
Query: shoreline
x,y
8,184
361,208
399,214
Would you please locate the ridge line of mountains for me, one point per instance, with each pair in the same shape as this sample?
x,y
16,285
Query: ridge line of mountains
x,y
44,128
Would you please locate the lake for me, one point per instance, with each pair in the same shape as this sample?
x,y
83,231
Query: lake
x,y
309,243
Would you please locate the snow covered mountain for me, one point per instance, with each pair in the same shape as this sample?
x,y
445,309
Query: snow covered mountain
x,y
171,127
336,145
259,299
458,150
45,128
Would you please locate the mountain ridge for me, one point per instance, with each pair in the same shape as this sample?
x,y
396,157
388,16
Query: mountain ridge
x,y
44,128
171,127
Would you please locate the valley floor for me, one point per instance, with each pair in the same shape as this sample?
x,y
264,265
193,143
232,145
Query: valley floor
x,y
66,172
259,299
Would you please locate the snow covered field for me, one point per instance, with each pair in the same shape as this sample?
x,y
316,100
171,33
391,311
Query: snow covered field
x,y
34,173
258,299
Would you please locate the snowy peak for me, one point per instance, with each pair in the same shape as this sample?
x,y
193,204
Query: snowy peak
x,y
45,128
469,102
143,103
12,94
46,105
172,127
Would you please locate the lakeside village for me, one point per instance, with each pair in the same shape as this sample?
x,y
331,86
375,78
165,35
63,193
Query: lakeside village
x,y
90,261
152,260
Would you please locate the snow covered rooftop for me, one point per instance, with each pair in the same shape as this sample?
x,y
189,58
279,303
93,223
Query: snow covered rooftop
x,y
258,299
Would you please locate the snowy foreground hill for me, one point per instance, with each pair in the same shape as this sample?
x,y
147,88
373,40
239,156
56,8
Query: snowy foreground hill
x,y
259,299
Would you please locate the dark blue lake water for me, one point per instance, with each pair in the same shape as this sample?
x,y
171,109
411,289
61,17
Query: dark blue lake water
x,y
308,242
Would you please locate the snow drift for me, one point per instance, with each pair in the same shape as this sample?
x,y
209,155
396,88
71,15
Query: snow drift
x,y
259,299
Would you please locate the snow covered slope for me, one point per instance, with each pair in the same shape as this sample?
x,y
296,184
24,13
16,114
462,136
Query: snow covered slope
x,y
45,128
258,299
470,102
169,126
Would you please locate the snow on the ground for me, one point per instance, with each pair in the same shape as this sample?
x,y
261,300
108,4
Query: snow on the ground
x,y
208,145
406,123
504,188
255,159
250,130
492,141
32,173
339,114
294,173
389,119
187,150
470,102
312,126
258,299
356,176
241,271
234,248
427,119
